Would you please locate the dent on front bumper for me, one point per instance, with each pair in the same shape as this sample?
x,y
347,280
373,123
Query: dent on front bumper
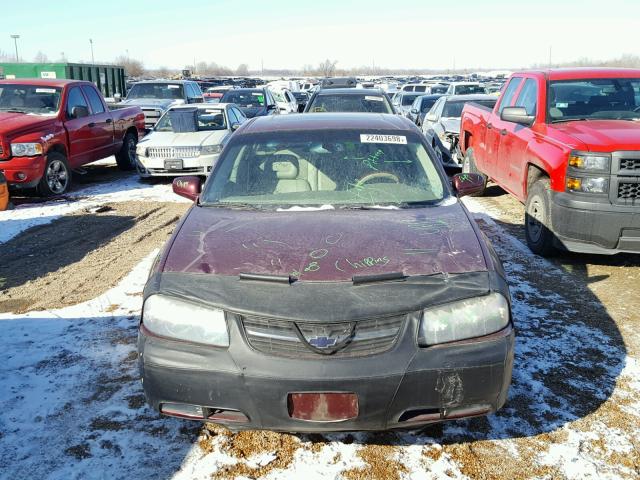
x,y
405,387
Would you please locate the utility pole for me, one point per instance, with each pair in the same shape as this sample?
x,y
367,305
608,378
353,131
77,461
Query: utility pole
x,y
15,42
262,65
93,61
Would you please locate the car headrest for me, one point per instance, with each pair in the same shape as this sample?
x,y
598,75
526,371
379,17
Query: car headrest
x,y
285,170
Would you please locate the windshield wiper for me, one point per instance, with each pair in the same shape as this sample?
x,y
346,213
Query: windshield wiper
x,y
231,206
378,277
14,110
261,277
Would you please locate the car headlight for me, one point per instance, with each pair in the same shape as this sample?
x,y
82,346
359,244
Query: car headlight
x,y
595,162
26,149
210,149
588,184
464,319
172,318
141,150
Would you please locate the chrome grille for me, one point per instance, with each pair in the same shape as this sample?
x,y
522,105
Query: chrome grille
x,y
173,152
279,337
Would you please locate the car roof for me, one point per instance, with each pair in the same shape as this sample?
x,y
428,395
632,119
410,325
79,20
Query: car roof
x,y
580,73
324,121
470,98
239,90
350,91
42,82
160,80
202,106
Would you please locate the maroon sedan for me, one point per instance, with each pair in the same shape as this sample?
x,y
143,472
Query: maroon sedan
x,y
327,278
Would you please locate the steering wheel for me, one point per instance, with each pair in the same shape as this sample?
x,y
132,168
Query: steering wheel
x,y
373,176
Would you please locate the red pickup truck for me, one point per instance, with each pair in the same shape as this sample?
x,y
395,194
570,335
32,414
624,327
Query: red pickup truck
x,y
566,143
50,127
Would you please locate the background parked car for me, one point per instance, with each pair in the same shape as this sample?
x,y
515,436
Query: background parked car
x,y
443,121
214,94
254,102
302,98
465,88
285,100
415,87
421,105
402,102
156,96
187,140
349,100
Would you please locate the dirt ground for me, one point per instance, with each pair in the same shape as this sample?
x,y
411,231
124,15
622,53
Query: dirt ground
x,y
80,256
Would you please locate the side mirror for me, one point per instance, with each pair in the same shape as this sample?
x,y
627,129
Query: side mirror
x,y
468,183
271,107
235,126
117,97
517,115
431,117
187,187
79,111
414,110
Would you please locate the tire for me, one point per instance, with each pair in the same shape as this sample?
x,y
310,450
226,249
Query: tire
x,y
126,157
56,179
538,225
469,166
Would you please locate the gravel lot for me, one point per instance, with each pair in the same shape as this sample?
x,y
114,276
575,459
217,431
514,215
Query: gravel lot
x,y
72,406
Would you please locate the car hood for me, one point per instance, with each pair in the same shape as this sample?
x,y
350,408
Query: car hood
x,y
162,139
451,125
326,245
14,122
603,135
152,102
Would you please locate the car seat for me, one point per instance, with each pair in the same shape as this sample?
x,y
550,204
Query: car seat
x,y
287,175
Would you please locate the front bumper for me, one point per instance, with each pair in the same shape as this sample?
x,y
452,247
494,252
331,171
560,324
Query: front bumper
x,y
23,172
405,387
155,167
587,226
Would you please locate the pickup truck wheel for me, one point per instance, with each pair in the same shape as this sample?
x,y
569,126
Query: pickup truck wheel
x,y
469,166
126,157
57,176
537,219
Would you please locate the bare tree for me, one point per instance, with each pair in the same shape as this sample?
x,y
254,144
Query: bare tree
x,y
133,67
5,57
40,57
242,70
328,67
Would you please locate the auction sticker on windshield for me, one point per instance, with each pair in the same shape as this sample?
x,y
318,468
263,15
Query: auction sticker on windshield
x,y
372,138
173,86
372,98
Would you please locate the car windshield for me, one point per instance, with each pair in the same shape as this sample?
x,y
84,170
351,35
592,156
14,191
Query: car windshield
x,y
439,89
408,99
603,99
244,98
206,119
338,168
454,109
368,103
468,89
159,91
427,103
31,99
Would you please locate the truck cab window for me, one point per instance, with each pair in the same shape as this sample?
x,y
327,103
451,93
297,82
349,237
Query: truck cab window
x,y
94,100
528,97
75,99
509,92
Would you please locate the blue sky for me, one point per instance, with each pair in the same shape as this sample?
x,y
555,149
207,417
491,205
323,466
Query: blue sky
x,y
288,34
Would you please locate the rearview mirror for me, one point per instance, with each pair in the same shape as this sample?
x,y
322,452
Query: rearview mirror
x,y
187,187
468,183
517,115
79,111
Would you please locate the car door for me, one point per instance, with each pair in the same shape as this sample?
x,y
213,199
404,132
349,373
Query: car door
x,y
513,145
79,128
101,125
434,114
496,129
